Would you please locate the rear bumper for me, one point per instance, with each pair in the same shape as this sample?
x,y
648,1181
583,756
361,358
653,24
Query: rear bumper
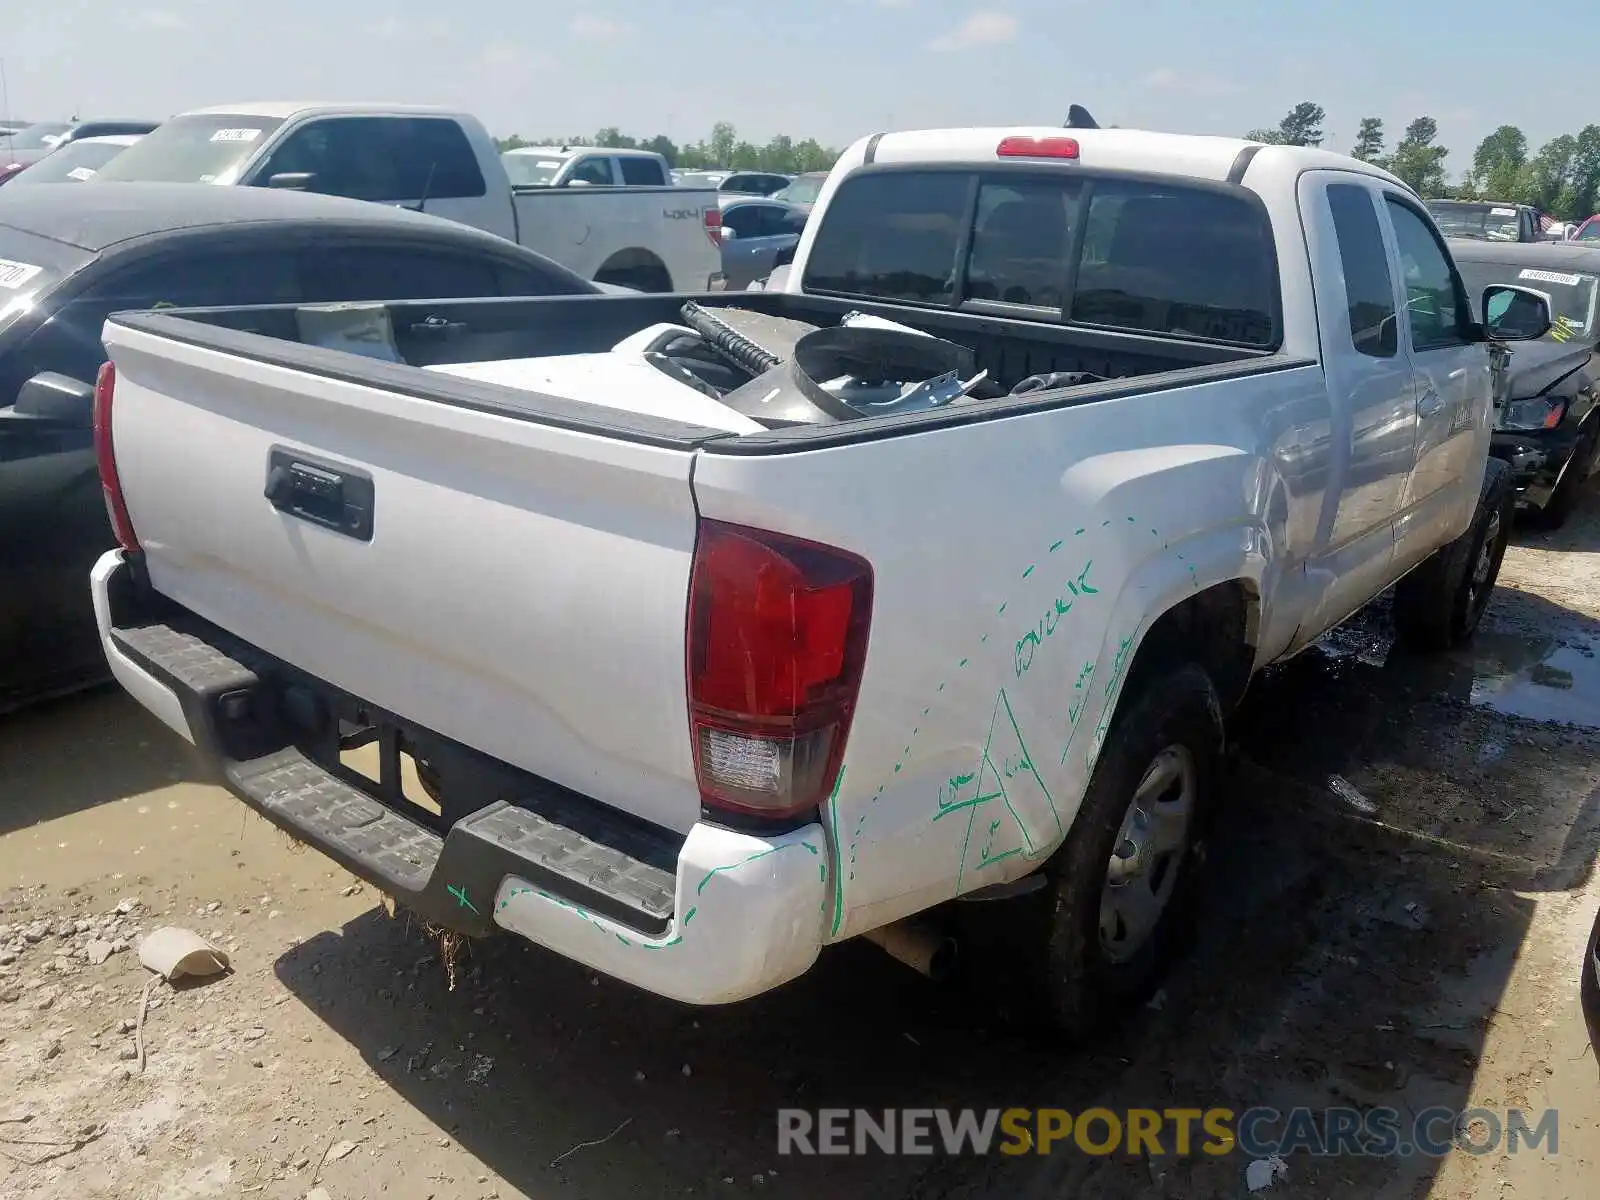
x,y
713,917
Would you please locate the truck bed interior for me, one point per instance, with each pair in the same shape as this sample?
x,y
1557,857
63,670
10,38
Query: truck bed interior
x,y
996,352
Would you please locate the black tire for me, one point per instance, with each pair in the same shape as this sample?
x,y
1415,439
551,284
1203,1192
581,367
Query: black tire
x,y
1081,974
1569,489
1438,605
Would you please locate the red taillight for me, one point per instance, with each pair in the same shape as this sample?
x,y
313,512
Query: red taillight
x,y
713,225
777,640
1047,147
105,385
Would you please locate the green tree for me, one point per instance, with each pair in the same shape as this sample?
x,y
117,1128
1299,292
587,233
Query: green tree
x,y
1585,174
1369,140
1418,161
1498,164
1301,126
614,139
663,145
724,141
1547,180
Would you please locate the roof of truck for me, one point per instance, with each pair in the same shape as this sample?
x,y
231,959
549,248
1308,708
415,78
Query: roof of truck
x,y
95,216
282,110
1196,155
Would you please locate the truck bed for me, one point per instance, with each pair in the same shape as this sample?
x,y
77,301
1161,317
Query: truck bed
x,y
443,333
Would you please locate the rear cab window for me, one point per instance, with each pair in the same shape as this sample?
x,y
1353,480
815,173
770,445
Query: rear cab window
x,y
207,148
1117,253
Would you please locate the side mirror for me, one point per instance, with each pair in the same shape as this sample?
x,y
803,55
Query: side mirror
x,y
292,181
59,398
1515,314
726,233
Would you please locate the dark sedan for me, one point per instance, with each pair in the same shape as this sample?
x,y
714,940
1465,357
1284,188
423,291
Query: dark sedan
x,y
69,256
1547,427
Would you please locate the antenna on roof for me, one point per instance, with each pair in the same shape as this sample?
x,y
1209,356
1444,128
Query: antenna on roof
x,y
1078,118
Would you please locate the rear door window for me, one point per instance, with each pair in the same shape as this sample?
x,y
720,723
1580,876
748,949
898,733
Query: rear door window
x,y
643,172
1368,283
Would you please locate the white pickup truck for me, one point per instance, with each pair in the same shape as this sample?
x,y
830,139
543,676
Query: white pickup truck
x,y
650,239
880,620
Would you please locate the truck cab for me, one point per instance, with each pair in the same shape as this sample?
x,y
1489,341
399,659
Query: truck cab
x,y
584,166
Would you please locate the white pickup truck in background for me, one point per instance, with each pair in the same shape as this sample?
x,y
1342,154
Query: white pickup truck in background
x,y
939,583
648,238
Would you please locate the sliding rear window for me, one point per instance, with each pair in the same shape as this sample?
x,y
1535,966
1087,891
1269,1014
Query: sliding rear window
x,y
1154,257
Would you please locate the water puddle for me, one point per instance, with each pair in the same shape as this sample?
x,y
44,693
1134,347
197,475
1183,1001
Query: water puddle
x,y
1542,679
1546,678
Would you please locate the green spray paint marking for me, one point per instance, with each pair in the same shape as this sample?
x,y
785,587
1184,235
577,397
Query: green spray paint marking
x,y
460,893
745,862
833,842
1054,547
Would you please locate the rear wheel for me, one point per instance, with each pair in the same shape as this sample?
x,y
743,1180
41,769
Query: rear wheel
x,y
1438,606
1120,892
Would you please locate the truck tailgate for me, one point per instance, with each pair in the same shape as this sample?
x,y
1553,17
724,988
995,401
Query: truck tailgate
x,y
520,588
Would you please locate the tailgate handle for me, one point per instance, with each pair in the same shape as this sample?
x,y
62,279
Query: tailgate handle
x,y
333,495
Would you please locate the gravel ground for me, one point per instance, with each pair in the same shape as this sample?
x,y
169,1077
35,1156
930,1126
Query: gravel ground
x,y
1396,917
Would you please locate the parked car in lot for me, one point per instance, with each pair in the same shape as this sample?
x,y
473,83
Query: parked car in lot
x,y
1547,417
444,162
945,590
71,255
1487,220
584,166
754,183
756,233
78,161
23,149
803,190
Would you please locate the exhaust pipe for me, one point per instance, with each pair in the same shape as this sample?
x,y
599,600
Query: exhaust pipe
x,y
922,949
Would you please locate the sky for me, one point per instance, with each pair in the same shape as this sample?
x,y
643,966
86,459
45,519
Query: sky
x,y
829,69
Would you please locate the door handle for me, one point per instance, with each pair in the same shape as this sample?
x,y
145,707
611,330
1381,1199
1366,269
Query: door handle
x,y
1429,403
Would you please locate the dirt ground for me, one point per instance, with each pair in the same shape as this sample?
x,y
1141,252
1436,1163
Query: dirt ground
x,y
1397,917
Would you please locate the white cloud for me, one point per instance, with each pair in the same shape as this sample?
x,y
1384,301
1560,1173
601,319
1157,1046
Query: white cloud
x,y
1168,79
985,28
896,3
503,55
160,18
599,29
395,30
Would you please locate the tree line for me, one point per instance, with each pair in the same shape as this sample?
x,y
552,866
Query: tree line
x,y
1562,178
723,149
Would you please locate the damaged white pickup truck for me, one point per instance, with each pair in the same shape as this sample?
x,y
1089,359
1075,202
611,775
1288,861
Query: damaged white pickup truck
x,y
721,631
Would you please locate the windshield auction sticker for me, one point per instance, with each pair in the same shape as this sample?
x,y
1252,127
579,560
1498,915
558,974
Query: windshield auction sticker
x,y
14,274
236,135
1551,277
